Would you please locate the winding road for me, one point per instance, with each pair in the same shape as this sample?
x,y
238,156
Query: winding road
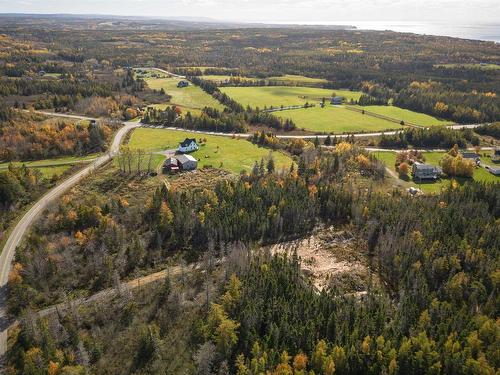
x,y
33,213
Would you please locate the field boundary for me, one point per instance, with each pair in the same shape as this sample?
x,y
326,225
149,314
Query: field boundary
x,y
382,117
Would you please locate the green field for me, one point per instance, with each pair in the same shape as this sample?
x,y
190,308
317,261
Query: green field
x,y
287,79
480,174
335,119
234,155
189,98
276,96
405,115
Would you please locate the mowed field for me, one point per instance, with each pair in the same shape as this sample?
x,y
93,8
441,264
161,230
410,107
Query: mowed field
x,y
288,79
231,154
335,119
275,96
191,98
480,174
405,115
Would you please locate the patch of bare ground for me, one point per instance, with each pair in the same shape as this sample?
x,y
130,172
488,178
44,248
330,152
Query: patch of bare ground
x,y
198,179
332,258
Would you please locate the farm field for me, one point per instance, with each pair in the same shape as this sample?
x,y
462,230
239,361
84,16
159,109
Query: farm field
x,y
335,119
276,96
288,79
189,98
405,115
480,174
231,154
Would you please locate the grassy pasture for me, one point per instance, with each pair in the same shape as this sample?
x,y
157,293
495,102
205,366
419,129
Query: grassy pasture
x,y
276,96
405,115
189,98
231,154
288,79
480,174
335,119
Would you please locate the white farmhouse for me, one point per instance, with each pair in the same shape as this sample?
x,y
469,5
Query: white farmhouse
x,y
188,145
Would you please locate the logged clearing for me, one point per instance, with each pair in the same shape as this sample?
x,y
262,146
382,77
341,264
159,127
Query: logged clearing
x,y
330,257
275,96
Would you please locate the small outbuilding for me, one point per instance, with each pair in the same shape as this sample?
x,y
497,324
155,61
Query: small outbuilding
x,y
476,158
188,145
182,84
171,165
337,100
186,162
422,171
493,170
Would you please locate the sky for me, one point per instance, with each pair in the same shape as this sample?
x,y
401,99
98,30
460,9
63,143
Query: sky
x,y
277,11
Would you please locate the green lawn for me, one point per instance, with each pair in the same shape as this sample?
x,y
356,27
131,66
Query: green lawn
x,y
480,174
234,155
189,98
335,119
287,79
405,115
276,96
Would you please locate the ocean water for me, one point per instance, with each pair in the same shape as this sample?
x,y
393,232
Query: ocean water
x,y
486,31
479,31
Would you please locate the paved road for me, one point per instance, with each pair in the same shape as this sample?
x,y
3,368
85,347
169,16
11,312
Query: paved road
x,y
29,217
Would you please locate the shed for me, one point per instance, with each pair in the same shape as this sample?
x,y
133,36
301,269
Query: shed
x,y
337,100
171,165
187,162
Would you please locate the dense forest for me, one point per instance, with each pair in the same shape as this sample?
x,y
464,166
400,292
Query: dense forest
x,y
437,255
27,136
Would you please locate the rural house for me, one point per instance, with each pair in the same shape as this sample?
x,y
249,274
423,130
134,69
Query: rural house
x,y
188,145
337,100
186,162
425,172
182,84
472,156
171,165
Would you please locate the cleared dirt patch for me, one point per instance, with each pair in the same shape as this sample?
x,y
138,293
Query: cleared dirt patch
x,y
331,258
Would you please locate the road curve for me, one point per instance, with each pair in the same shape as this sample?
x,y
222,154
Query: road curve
x,y
29,217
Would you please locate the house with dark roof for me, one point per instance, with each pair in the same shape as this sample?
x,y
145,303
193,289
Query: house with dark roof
x,y
182,84
188,145
476,158
422,171
186,162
